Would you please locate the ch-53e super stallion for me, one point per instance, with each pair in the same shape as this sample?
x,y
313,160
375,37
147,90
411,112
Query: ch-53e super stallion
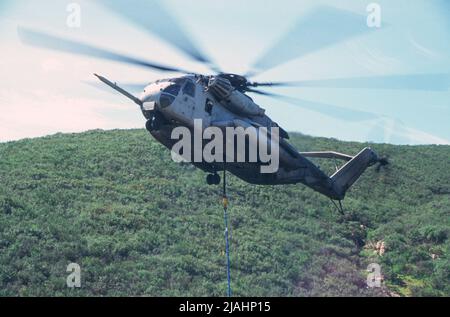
x,y
222,100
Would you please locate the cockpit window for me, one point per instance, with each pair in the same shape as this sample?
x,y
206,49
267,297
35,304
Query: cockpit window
x,y
172,89
166,100
189,89
180,81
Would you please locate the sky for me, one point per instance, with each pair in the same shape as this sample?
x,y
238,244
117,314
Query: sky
x,y
44,92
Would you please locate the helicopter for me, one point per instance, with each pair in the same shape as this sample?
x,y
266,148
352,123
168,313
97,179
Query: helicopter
x,y
222,99
219,101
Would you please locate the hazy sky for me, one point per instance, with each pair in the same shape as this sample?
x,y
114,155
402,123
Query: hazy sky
x,y
44,92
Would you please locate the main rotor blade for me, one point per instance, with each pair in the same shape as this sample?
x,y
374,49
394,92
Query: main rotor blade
x,y
321,28
154,18
43,40
332,111
432,82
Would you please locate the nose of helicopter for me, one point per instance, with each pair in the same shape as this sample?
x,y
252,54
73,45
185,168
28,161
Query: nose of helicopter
x,y
155,98
150,100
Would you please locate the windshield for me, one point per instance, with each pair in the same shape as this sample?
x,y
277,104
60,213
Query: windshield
x,y
180,81
172,89
189,88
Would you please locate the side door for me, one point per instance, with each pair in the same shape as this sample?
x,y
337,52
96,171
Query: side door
x,y
188,98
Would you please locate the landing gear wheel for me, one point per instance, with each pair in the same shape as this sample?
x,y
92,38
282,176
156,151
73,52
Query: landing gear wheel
x,y
213,179
216,179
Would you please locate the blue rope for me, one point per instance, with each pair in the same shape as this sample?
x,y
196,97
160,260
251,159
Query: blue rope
x,y
225,216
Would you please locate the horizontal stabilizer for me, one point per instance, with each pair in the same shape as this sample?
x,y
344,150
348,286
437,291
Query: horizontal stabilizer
x,y
328,155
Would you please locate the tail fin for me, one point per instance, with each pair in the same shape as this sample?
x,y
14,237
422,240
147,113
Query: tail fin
x,y
348,174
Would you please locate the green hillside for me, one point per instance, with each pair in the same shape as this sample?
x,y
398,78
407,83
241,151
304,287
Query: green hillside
x,y
140,224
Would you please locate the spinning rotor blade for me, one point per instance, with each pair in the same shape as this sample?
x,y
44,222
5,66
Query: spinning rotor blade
x,y
333,111
47,41
433,82
322,27
261,92
154,18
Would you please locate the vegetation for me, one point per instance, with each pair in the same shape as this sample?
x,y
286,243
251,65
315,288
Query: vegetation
x,y
140,224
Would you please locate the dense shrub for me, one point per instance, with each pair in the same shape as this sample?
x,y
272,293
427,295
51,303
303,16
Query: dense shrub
x,y
140,224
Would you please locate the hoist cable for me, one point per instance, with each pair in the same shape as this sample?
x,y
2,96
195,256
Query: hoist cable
x,y
225,216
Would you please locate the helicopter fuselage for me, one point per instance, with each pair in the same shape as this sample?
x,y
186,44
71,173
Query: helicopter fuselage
x,y
220,101
171,103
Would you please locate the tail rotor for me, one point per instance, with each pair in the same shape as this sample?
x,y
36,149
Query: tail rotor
x,y
382,163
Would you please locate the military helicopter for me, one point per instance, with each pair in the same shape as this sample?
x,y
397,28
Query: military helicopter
x,y
221,99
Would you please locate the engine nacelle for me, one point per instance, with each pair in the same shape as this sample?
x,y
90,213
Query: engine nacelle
x,y
233,99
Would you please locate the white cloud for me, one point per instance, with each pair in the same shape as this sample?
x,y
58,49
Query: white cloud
x,y
396,132
50,65
422,49
40,113
421,137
